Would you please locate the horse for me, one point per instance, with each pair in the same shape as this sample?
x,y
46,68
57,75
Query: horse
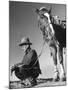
x,y
55,36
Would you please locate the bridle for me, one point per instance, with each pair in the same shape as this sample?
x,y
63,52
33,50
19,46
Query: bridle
x,y
42,16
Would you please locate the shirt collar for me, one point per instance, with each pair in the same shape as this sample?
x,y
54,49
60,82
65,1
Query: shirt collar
x,y
28,50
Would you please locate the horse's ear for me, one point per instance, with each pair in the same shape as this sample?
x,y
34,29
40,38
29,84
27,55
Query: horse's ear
x,y
37,11
50,10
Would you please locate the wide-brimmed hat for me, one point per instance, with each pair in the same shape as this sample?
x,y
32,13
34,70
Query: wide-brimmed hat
x,y
25,41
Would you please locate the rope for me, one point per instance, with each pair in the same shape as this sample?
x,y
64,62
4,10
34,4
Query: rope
x,y
41,50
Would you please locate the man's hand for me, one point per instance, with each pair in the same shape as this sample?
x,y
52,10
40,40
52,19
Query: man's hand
x,y
15,65
13,68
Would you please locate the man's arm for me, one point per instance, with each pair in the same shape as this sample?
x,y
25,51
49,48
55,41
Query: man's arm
x,y
15,66
19,64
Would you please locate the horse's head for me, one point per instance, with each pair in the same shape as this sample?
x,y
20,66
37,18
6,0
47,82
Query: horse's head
x,y
44,20
43,16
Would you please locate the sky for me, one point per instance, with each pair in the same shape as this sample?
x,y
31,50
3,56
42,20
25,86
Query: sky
x,y
23,23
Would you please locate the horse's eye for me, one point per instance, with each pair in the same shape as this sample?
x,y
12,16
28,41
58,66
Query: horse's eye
x,y
45,17
41,16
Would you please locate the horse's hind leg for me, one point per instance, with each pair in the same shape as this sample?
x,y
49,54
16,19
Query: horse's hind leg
x,y
62,70
54,54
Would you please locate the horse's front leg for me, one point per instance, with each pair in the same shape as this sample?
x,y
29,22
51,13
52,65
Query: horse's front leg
x,y
53,50
62,70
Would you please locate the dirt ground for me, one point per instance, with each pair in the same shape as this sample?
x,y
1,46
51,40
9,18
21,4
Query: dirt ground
x,y
40,83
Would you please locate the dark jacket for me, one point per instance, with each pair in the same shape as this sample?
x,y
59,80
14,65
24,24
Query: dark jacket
x,y
29,65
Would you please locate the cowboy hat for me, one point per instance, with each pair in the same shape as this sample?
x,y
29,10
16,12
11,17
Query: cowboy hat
x,y
25,41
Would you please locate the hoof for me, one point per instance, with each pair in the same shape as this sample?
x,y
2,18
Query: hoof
x,y
56,79
63,79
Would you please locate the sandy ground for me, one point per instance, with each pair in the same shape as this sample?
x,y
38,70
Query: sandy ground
x,y
40,83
